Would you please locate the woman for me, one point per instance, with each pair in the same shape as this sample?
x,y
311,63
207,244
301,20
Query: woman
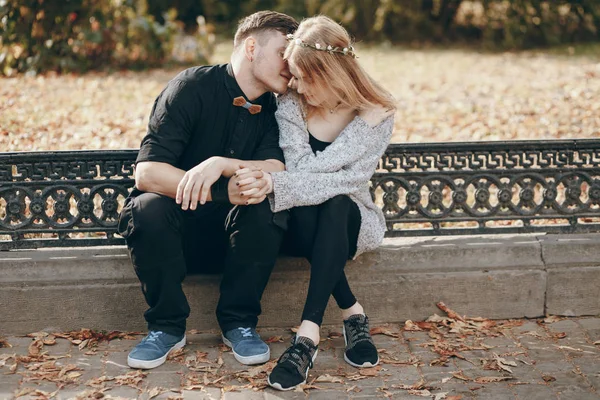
x,y
333,132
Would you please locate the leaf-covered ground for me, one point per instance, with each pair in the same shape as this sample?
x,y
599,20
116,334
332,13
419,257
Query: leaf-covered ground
x,y
443,95
446,357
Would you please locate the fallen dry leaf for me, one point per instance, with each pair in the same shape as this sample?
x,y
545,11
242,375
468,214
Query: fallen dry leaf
x,y
422,393
461,376
490,379
372,371
552,319
334,334
568,348
456,397
91,338
410,326
224,348
193,387
328,378
597,342
35,347
533,333
13,368
177,355
274,339
305,388
452,314
49,341
427,326
133,379
440,396
548,378
24,392
258,371
503,363
412,360
354,389
356,377
421,384
511,323
156,391
4,343
382,330
99,381
440,362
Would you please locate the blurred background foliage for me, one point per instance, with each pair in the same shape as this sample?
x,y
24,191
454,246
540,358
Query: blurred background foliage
x,y
82,35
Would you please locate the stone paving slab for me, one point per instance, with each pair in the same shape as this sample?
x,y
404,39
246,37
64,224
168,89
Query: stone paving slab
x,y
556,358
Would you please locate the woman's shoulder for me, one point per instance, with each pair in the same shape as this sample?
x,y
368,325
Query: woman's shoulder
x,y
376,114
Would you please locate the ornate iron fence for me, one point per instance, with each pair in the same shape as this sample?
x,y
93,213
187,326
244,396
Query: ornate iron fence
x,y
73,198
490,187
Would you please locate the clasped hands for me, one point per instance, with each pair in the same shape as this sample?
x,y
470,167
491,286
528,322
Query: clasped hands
x,y
247,185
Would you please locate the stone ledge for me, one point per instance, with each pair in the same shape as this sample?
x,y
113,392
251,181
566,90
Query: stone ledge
x,y
500,276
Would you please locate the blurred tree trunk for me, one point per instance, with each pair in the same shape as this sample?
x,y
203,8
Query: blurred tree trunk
x,y
448,11
592,8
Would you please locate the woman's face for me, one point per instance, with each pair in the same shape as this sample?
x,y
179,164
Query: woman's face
x,y
304,85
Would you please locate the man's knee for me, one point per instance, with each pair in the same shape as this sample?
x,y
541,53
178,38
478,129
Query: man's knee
x,y
254,231
148,212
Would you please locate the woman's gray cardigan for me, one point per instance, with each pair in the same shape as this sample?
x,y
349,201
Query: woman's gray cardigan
x,y
345,167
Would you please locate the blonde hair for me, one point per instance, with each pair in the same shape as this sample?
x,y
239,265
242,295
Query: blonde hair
x,y
337,73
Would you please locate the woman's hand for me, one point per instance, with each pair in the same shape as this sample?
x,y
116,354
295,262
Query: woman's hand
x,y
254,184
375,115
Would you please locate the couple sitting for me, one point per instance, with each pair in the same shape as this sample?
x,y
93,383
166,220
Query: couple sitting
x,y
228,176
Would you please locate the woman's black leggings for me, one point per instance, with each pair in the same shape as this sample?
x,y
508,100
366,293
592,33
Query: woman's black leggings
x,y
326,235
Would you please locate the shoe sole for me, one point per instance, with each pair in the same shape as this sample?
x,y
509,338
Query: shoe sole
x,y
366,364
248,360
279,387
149,364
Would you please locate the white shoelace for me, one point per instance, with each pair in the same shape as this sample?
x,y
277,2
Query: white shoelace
x,y
246,332
152,336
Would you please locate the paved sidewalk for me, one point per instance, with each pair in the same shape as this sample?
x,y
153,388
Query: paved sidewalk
x,y
480,359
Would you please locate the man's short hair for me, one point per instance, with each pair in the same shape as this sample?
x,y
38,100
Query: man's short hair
x,y
263,21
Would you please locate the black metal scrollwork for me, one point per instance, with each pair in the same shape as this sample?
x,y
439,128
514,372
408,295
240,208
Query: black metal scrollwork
x,y
63,198
74,198
490,187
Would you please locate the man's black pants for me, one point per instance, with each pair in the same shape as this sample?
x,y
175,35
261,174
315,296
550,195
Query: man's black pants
x,y
166,243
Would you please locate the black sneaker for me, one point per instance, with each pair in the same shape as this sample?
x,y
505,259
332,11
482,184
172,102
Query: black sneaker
x,y
360,349
293,365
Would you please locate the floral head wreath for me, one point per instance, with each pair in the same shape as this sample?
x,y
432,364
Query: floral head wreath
x,y
347,51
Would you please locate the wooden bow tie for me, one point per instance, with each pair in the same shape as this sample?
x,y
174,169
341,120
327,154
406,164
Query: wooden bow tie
x,y
241,102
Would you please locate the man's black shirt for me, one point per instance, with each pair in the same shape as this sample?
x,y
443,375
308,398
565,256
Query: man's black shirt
x,y
194,119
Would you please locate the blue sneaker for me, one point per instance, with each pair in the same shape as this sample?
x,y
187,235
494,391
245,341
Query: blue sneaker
x,y
248,348
153,350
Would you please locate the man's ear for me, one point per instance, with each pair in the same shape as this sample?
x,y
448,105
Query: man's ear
x,y
249,48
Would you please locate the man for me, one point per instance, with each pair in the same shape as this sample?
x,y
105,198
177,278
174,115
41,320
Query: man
x,y
186,212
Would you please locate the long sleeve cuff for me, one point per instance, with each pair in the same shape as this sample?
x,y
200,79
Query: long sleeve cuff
x,y
219,190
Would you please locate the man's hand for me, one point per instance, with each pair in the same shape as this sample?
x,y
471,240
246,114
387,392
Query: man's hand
x,y
254,184
195,184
